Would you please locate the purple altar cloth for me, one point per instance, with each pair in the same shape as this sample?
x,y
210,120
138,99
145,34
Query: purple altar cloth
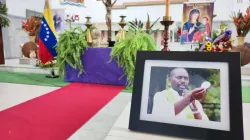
x,y
97,69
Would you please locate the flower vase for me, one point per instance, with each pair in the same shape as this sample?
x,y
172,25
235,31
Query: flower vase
x,y
241,41
33,39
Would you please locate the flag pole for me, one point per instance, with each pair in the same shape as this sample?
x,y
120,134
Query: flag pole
x,y
47,39
52,72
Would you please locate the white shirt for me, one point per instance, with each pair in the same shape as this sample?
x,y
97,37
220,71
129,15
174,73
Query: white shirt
x,y
166,109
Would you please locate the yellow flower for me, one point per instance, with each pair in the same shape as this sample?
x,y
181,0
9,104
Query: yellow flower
x,y
209,48
222,27
208,44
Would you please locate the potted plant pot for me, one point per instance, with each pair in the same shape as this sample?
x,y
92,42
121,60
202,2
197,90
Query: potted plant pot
x,y
111,43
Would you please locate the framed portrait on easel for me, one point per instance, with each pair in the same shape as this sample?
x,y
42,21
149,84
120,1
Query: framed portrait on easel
x,y
188,94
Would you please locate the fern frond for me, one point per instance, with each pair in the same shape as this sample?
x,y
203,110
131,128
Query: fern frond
x,y
70,47
125,51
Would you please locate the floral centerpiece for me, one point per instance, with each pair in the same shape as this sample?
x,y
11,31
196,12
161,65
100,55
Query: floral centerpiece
x,y
48,64
220,44
31,26
242,23
220,31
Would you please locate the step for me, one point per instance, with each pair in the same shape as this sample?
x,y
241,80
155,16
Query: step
x,y
27,61
245,80
25,68
245,70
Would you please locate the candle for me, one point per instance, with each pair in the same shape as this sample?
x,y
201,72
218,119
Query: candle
x,y
87,15
167,8
122,14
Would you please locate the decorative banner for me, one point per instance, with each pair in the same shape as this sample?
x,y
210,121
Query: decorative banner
x,y
197,22
73,2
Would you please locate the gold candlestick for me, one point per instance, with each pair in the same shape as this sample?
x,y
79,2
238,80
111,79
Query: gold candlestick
x,y
122,24
166,22
88,24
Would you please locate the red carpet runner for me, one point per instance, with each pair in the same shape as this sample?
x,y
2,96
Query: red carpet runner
x,y
57,115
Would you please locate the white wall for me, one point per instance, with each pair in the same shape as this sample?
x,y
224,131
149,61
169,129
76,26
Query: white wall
x,y
18,7
97,10
93,8
13,36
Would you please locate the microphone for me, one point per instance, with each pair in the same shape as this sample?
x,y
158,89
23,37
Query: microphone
x,y
184,91
191,106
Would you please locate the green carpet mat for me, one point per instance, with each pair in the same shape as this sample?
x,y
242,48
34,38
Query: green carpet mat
x,y
246,94
41,80
31,79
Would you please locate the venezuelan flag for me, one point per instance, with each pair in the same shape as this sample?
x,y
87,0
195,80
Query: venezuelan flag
x,y
47,37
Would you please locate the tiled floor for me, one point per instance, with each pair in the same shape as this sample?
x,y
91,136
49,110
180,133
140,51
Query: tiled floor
x,y
110,123
120,129
13,94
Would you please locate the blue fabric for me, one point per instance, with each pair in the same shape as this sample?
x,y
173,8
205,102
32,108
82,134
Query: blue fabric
x,y
98,70
48,38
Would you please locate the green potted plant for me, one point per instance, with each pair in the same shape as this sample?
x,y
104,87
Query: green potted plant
x,y
4,21
136,39
70,47
125,51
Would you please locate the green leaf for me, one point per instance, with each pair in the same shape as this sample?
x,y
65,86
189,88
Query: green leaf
x,y
70,48
4,21
148,18
124,52
154,23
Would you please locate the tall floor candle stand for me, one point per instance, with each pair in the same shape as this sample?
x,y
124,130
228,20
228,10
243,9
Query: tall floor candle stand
x,y
88,24
122,24
166,22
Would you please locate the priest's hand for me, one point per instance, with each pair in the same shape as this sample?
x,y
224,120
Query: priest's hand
x,y
198,93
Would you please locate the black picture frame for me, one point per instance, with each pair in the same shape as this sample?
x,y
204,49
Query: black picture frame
x,y
235,97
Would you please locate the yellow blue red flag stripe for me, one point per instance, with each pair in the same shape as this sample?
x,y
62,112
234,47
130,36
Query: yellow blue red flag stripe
x,y
47,38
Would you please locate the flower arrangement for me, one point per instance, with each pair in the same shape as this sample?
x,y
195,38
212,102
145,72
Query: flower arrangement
x,y
220,31
48,64
221,44
134,26
242,22
31,25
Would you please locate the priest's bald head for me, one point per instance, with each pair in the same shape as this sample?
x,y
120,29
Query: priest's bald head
x,y
179,79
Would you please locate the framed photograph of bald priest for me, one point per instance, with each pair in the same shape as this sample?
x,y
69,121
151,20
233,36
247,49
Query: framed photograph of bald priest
x,y
188,94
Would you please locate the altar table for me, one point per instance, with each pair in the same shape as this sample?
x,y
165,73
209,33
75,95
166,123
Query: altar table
x,y
97,68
